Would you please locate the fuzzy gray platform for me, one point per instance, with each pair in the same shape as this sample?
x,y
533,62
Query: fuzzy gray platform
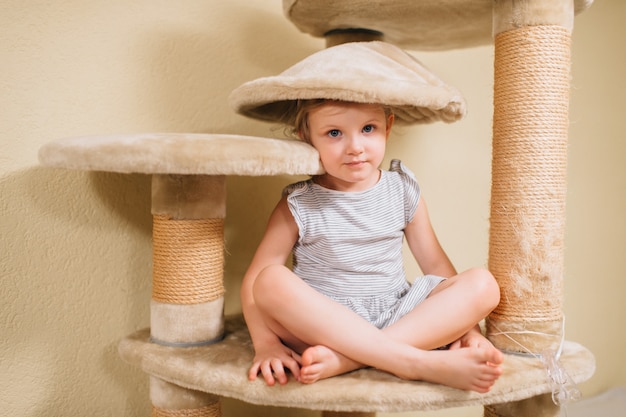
x,y
221,369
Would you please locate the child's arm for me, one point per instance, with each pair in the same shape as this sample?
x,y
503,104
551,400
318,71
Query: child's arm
x,y
274,249
425,246
432,259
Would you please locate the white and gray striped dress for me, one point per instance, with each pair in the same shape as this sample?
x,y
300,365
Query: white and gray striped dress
x,y
350,244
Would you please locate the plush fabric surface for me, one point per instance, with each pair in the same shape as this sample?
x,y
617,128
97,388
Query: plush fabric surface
x,y
364,72
222,368
180,153
411,24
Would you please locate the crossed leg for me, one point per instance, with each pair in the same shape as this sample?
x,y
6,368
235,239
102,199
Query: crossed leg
x,y
334,340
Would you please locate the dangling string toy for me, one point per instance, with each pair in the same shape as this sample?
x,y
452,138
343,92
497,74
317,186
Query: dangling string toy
x,y
564,389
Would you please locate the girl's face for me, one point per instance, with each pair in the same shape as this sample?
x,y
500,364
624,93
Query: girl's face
x,y
351,140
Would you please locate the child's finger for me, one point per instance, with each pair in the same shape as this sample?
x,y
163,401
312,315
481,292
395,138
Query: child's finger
x,y
297,357
253,371
455,345
294,366
268,374
279,371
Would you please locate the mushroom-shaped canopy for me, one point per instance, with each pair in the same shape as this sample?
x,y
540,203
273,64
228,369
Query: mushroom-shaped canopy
x,y
363,72
415,24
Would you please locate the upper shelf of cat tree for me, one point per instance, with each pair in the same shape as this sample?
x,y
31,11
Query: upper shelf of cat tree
x,y
183,153
411,24
221,369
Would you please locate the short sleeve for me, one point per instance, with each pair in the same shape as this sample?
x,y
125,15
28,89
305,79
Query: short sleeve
x,y
410,186
297,187
293,192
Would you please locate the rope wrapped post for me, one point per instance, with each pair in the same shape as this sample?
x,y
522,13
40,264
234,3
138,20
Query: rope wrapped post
x,y
530,123
187,303
169,400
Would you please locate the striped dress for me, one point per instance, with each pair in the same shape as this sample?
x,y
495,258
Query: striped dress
x,y
349,246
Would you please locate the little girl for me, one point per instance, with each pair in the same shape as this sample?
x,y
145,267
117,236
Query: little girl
x,y
347,304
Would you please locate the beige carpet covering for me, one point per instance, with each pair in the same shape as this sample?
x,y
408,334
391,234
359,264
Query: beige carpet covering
x,y
362,72
410,24
183,153
221,369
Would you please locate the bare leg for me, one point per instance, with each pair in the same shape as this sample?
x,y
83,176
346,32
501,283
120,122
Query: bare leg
x,y
452,309
473,293
300,316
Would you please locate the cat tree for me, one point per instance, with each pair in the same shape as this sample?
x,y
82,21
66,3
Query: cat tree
x,y
194,356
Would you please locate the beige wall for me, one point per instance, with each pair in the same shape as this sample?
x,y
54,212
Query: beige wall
x,y
75,251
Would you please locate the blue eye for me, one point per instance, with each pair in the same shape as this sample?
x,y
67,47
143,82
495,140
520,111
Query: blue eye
x,y
368,128
334,133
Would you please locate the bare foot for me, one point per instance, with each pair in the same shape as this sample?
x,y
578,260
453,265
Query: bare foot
x,y
320,362
472,368
474,338
473,365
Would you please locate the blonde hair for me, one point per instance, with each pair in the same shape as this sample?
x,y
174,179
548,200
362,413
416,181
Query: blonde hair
x,y
296,118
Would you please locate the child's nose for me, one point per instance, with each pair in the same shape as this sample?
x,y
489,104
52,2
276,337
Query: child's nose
x,y
355,143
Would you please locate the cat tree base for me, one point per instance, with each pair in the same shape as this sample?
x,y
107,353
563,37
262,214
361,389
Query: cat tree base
x,y
221,370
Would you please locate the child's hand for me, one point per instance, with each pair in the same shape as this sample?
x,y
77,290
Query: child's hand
x,y
272,361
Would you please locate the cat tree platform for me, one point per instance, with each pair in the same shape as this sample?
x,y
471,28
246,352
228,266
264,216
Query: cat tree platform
x,y
419,24
182,154
221,369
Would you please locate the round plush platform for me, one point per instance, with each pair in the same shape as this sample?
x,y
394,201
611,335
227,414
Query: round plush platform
x,y
183,153
362,72
222,369
412,24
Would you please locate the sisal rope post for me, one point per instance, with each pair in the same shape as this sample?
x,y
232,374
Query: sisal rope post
x,y
169,400
529,185
187,279
529,163
188,260
539,406
208,411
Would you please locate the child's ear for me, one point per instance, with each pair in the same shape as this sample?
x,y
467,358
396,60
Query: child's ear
x,y
390,120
